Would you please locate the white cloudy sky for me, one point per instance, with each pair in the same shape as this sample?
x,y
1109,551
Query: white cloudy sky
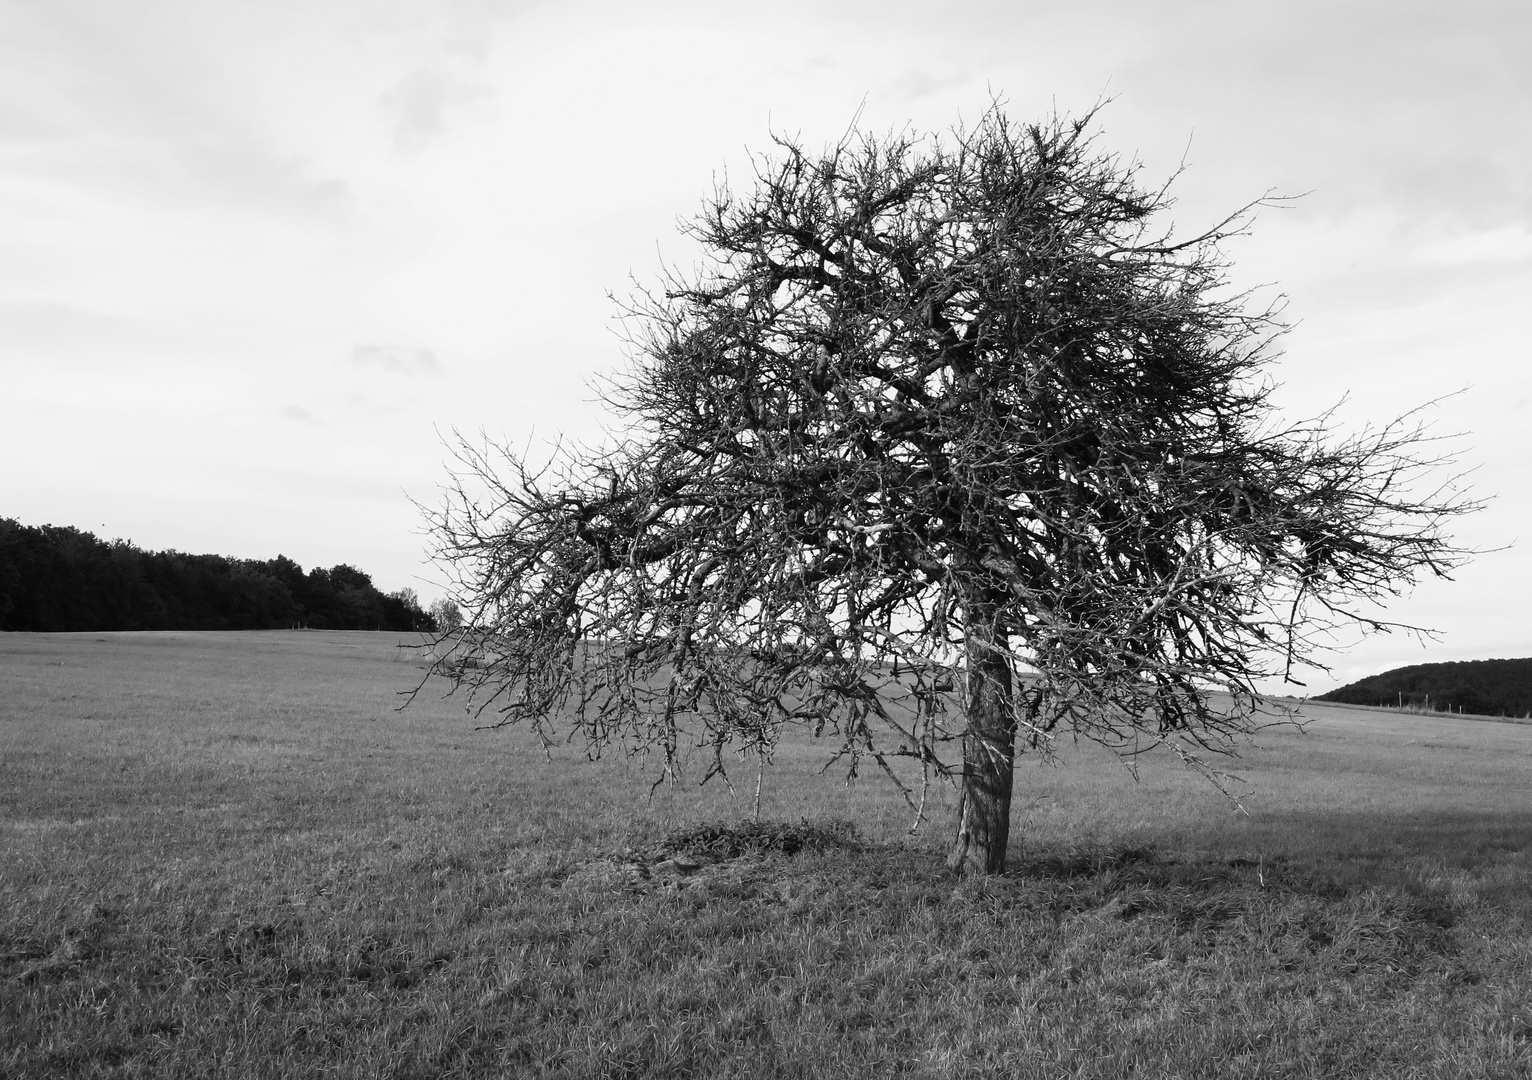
x,y
255,256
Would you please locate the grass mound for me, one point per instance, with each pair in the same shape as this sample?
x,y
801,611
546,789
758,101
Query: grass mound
x,y
736,839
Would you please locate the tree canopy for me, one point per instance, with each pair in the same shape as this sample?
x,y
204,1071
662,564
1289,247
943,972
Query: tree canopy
x,y
59,578
949,447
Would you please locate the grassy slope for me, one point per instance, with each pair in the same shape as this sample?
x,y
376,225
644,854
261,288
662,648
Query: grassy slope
x,y
229,855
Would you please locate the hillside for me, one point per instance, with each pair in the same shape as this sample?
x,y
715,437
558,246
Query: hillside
x,y
1485,687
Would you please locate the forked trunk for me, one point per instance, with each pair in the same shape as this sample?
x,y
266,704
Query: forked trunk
x,y
989,747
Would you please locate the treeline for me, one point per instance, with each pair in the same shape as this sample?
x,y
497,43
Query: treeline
x,y
1485,687
58,578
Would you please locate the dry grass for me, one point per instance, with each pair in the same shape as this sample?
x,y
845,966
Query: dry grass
x,y
227,855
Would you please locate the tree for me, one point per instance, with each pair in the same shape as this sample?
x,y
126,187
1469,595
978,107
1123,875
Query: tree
x,y
402,611
446,614
948,450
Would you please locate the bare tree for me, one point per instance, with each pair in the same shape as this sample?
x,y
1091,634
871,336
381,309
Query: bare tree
x,y
948,449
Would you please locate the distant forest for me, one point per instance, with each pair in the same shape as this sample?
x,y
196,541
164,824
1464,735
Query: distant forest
x,y
57,578
1486,687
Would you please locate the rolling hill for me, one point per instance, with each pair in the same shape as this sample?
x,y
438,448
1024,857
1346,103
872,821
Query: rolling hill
x,y
1485,687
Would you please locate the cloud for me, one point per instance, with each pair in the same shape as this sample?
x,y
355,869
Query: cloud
x,y
400,359
166,106
418,104
1416,107
1511,244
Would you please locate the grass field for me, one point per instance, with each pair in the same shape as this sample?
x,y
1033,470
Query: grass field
x,y
229,855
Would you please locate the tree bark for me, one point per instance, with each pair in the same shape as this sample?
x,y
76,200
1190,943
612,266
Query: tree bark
x,y
989,748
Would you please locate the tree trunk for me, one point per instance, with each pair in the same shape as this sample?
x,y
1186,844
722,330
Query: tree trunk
x,y
989,747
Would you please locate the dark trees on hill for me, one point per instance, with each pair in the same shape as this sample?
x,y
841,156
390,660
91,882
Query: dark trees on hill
x,y
1481,687
934,414
57,578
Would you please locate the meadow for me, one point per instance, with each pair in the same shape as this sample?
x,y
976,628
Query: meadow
x,y
232,855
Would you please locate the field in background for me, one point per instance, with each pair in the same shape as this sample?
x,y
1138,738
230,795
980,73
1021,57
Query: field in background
x,y
230,854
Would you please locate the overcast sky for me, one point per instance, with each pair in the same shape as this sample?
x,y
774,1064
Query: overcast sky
x,y
256,258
